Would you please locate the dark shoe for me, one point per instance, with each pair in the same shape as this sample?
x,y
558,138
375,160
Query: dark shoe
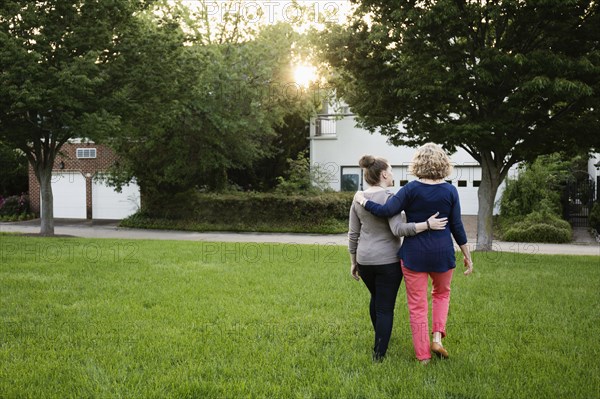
x,y
439,350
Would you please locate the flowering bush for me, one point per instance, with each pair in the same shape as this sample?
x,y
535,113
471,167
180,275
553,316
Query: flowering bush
x,y
14,205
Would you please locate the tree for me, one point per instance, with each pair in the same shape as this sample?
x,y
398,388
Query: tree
x,y
289,142
505,80
53,59
194,109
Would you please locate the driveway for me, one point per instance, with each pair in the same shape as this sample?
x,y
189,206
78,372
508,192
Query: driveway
x,y
109,229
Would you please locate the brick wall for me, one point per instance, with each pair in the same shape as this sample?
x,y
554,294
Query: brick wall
x,y
105,158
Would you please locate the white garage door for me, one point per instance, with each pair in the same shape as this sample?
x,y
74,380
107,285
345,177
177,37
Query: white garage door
x,y
68,190
109,204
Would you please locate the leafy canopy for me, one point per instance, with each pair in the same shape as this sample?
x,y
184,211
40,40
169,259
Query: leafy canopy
x,y
53,57
509,78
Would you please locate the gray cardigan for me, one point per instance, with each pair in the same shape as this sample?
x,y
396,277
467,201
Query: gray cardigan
x,y
375,240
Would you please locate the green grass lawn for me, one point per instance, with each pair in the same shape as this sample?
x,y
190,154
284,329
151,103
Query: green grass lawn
x,y
105,318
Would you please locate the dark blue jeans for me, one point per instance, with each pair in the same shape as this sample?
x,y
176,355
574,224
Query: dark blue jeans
x,y
383,282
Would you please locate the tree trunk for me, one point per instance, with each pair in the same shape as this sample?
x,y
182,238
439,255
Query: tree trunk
x,y
47,205
490,181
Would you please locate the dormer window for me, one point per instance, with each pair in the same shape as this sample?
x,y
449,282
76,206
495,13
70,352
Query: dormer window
x,y
86,153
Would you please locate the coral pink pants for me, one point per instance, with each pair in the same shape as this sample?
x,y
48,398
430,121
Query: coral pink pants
x,y
416,296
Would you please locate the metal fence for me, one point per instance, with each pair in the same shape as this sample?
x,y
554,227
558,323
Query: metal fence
x,y
579,199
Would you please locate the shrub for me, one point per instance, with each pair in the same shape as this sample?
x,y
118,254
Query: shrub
x,y
301,178
15,205
538,233
17,218
538,183
595,216
539,226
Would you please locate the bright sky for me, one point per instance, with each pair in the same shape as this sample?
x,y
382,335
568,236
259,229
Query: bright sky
x,y
303,14
304,75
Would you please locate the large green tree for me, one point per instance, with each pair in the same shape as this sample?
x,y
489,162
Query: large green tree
x,y
195,108
53,60
505,80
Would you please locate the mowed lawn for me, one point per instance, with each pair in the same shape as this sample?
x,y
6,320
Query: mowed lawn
x,y
84,318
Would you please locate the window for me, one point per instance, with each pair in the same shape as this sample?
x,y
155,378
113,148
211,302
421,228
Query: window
x,y
86,153
476,183
462,183
403,183
449,181
350,182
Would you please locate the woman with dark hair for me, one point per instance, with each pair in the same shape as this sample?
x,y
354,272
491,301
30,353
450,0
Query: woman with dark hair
x,y
373,244
431,254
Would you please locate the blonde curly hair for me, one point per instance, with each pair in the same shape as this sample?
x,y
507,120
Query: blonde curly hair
x,y
430,161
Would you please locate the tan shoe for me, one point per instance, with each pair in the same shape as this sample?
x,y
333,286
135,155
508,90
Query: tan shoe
x,y
439,350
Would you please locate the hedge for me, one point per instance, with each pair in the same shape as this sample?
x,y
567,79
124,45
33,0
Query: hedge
x,y
248,209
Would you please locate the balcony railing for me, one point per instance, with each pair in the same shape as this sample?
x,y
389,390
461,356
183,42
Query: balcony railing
x,y
325,125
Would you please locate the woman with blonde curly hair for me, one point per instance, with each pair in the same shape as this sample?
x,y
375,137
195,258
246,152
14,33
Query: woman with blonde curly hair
x,y
430,254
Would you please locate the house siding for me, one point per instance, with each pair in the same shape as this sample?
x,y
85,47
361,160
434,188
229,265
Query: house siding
x,y
337,153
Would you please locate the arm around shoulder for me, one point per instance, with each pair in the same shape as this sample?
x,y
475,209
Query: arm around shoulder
x,y
399,226
393,206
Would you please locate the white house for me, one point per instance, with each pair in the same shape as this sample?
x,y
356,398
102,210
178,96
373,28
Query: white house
x,y
336,145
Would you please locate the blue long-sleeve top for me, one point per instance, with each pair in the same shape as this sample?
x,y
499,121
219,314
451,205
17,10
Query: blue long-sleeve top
x,y
433,250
